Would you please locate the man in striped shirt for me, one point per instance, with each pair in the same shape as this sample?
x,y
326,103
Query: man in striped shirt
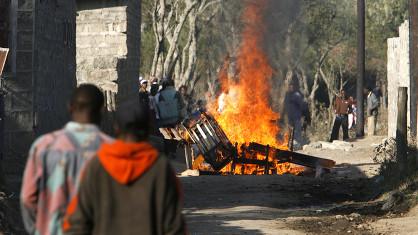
x,y
55,161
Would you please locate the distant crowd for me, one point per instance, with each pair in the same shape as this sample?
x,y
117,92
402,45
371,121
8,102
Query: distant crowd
x,y
167,106
345,113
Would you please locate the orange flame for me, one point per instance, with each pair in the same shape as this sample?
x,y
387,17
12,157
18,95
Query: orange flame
x,y
243,109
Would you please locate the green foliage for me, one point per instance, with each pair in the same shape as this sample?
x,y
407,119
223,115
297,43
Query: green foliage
x,y
299,33
383,18
147,37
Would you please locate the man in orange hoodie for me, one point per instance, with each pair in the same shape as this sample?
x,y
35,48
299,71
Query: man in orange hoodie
x,y
128,188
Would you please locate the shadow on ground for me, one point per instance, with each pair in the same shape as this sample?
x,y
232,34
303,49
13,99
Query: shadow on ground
x,y
249,204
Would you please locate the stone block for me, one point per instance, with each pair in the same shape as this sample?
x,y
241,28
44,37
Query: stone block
x,y
22,81
17,145
21,100
84,51
24,40
25,21
19,121
24,61
85,28
25,4
104,62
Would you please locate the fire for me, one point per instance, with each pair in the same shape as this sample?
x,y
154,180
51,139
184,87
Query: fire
x,y
243,110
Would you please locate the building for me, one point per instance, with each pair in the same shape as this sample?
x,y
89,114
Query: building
x,y
55,45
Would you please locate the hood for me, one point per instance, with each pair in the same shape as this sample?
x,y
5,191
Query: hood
x,y
126,162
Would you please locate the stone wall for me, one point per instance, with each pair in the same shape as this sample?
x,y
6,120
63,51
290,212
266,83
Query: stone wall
x,y
42,38
41,73
4,23
18,133
398,72
108,46
54,62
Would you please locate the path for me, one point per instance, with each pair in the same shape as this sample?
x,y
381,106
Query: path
x,y
284,204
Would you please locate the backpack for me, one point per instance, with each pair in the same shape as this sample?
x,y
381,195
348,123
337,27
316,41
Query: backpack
x,y
168,107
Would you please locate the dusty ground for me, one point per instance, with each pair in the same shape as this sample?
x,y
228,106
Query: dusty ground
x,y
341,202
338,203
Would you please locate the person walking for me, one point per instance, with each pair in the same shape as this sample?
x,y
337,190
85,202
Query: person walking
x,y
372,112
294,108
143,92
341,108
55,161
155,86
352,110
169,106
128,188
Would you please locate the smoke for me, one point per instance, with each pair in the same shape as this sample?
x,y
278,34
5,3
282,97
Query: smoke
x,y
282,22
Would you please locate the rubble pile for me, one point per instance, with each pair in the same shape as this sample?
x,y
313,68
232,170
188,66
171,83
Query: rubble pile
x,y
385,152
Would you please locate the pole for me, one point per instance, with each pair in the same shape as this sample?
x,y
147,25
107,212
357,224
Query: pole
x,y
360,66
402,131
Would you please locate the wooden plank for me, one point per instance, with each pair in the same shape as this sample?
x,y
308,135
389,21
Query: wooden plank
x,y
294,157
303,159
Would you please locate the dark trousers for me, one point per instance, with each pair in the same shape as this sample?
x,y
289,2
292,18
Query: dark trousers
x,y
340,120
170,146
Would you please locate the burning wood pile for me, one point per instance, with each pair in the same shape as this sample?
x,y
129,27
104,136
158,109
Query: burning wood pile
x,y
208,149
239,136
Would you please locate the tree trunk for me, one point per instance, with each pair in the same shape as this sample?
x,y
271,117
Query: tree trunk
x,y
173,37
192,51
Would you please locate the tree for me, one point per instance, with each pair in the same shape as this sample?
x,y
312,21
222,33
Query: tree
x,y
168,19
175,25
311,42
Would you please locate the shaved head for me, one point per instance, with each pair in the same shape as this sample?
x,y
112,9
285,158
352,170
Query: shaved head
x,y
87,103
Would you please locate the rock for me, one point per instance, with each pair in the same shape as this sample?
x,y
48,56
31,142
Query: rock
x,y
385,152
190,173
337,145
307,195
312,146
316,145
355,215
327,145
342,145
339,217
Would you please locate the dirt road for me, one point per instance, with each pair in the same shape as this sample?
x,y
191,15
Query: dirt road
x,y
288,204
338,203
